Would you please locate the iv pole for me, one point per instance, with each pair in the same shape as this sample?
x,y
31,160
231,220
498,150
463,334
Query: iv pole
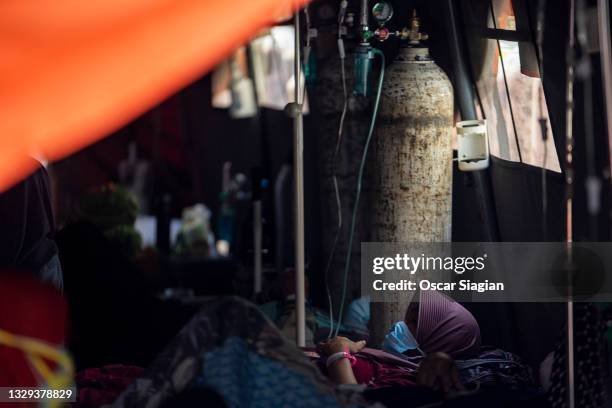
x,y
569,188
605,45
295,111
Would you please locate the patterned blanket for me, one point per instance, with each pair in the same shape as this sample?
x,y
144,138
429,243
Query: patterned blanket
x,y
231,348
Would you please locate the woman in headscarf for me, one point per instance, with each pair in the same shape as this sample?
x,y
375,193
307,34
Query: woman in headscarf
x,y
420,350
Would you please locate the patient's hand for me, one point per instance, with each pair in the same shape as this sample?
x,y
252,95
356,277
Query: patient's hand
x,y
339,344
438,371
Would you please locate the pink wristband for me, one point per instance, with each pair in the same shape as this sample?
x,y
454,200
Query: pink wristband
x,y
339,356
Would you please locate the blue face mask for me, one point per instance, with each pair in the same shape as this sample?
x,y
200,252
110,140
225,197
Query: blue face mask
x,y
400,339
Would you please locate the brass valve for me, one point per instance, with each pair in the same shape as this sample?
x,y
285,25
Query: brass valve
x,y
413,33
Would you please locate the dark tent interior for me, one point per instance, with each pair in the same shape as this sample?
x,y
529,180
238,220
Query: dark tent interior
x,y
184,203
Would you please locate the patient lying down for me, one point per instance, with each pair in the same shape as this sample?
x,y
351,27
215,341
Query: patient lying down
x,y
420,350
231,348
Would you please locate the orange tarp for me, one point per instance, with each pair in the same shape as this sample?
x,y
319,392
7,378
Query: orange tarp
x,y
72,71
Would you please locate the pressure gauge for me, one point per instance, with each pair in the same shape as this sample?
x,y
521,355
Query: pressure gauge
x,y
382,12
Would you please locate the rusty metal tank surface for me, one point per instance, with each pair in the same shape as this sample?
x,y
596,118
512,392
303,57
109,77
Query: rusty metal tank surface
x,y
413,154
412,164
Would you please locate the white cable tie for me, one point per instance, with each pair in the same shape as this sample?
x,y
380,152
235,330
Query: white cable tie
x,y
341,48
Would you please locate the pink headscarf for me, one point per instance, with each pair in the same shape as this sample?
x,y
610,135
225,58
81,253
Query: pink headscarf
x,y
444,325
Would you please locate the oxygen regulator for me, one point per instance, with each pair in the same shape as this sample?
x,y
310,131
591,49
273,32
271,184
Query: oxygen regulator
x,y
382,13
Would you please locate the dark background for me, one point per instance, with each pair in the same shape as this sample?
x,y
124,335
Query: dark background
x,y
188,140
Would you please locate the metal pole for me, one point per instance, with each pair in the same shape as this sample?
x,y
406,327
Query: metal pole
x,y
363,15
257,247
298,173
569,185
605,50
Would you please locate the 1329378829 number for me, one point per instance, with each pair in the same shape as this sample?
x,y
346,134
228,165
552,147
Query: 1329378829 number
x,y
25,394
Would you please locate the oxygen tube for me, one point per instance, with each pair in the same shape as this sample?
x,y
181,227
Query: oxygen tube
x,y
370,55
342,55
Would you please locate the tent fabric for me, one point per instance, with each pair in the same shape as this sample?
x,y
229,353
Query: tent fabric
x,y
517,192
72,71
